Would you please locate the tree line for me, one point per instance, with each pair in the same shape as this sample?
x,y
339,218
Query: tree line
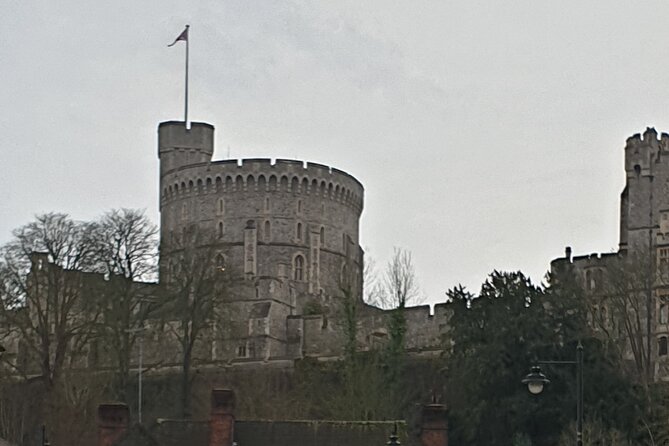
x,y
78,296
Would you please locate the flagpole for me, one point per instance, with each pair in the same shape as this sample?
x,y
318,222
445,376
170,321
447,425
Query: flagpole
x,y
186,95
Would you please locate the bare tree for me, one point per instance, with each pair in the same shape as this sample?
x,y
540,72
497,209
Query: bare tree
x,y
127,247
624,310
43,283
398,287
195,286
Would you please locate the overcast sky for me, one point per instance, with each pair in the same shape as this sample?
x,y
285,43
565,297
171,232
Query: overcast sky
x,y
488,134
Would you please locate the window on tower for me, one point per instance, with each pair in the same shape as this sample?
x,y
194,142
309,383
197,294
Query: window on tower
x,y
662,346
298,268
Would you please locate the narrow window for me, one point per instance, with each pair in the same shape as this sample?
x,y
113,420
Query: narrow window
x,y
267,203
588,275
241,351
299,206
662,346
220,229
298,231
220,208
322,235
267,231
664,313
298,268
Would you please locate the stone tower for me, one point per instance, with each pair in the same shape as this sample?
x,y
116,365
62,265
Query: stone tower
x,y
640,268
290,229
644,202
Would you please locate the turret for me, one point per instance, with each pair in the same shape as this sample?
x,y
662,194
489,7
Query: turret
x,y
179,146
645,192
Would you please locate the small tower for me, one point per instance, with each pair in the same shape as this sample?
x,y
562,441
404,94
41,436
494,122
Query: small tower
x,y
179,146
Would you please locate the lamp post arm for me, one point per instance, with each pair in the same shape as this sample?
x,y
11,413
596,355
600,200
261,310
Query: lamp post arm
x,y
557,362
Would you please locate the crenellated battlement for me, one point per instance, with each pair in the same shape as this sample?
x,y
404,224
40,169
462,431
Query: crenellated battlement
x,y
642,151
263,174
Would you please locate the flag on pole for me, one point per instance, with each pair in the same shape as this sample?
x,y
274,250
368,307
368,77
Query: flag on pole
x,y
183,36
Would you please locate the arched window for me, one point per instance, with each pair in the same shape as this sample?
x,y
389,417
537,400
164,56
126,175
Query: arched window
x,y
267,232
220,229
664,314
662,346
298,231
298,268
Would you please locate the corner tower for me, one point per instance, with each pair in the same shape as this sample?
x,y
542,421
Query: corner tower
x,y
644,202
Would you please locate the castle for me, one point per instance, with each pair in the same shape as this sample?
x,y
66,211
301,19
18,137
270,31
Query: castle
x,y
634,281
291,230
288,232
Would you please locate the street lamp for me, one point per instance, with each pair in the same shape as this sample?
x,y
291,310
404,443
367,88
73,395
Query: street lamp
x,y
536,380
140,334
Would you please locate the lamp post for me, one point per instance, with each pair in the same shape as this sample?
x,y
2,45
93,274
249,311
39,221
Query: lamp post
x,y
536,381
140,333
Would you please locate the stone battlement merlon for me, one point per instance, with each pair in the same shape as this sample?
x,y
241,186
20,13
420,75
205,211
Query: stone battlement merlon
x,y
282,174
268,162
649,138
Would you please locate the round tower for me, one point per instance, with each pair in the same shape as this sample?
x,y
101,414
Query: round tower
x,y
290,228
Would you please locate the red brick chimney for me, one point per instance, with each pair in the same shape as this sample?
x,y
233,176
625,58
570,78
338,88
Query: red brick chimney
x,y
222,421
113,422
434,425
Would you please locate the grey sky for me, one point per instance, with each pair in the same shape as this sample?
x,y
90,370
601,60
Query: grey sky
x,y
488,134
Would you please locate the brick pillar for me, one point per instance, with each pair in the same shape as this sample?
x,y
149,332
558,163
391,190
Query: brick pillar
x,y
222,421
113,422
434,425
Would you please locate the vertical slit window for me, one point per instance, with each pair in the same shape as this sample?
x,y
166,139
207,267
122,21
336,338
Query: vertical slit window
x,y
298,268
